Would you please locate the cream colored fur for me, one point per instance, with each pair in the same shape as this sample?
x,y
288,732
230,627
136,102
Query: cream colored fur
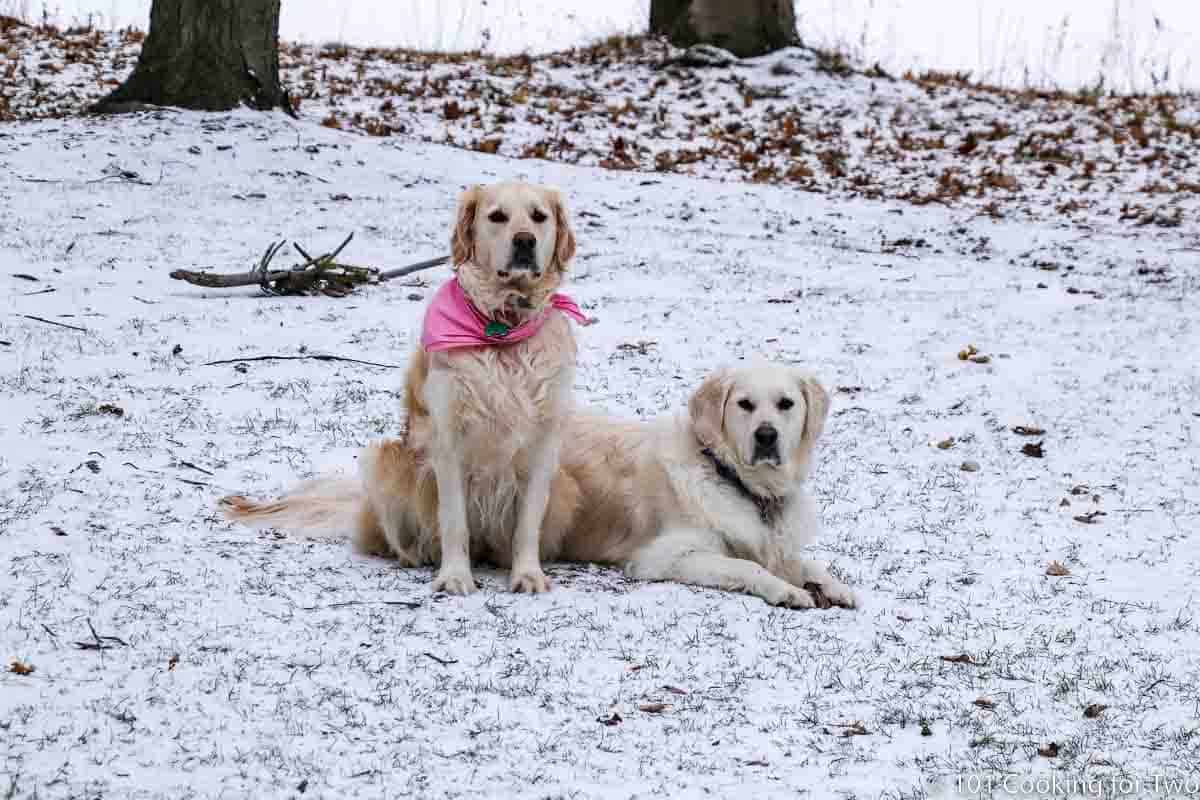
x,y
639,495
483,424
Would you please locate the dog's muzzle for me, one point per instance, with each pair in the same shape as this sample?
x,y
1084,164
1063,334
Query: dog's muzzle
x,y
766,444
524,256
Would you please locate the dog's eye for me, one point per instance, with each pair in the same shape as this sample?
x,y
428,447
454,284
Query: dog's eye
x,y
784,403
498,216
539,216
745,404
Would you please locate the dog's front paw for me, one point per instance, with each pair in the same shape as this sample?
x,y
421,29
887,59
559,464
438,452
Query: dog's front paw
x,y
788,597
454,581
832,592
530,579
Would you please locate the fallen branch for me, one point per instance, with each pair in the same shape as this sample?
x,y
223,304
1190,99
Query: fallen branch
x,y
317,275
442,661
59,324
400,272
301,358
101,642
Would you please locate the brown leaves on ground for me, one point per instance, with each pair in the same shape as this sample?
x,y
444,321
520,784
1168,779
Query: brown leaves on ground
x,y
1057,570
21,668
653,708
629,103
1034,450
1028,430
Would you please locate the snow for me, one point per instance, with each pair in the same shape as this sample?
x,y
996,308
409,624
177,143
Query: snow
x,y
250,664
1133,45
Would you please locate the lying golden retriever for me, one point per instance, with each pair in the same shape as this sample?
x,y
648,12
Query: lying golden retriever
x,y
485,397
715,498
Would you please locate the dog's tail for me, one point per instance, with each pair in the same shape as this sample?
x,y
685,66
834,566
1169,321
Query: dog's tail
x,y
328,505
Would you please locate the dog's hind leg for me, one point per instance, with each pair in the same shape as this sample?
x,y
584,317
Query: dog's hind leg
x,y
389,523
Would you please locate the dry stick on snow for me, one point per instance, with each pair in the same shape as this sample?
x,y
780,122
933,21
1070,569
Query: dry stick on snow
x,y
59,324
310,272
301,358
442,661
400,272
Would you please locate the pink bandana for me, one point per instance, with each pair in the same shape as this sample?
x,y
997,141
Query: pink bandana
x,y
452,321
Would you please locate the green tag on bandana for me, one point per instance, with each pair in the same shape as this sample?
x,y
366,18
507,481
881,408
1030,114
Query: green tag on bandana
x,y
496,330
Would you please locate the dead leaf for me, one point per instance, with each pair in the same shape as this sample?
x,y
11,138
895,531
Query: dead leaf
x,y
855,729
1094,710
1049,751
653,708
172,662
1057,570
970,466
984,702
674,690
946,444
21,668
1033,450
615,719
1090,518
967,352
490,146
961,658
980,359
1028,430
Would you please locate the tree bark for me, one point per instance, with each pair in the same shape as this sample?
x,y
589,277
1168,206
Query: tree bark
x,y
664,14
210,55
745,28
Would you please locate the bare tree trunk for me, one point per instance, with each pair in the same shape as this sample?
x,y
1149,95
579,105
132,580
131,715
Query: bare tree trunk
x,y
744,27
211,55
664,14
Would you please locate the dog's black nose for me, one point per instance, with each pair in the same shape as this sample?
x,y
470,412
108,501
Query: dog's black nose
x,y
524,243
766,435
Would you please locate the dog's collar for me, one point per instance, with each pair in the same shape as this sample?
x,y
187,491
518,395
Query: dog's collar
x,y
770,509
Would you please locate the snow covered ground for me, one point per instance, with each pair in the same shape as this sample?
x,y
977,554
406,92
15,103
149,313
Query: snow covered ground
x,y
1028,611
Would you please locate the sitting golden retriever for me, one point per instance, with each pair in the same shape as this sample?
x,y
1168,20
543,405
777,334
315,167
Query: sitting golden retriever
x,y
715,498
485,398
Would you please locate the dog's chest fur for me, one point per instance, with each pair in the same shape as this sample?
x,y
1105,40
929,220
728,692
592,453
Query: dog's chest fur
x,y
505,399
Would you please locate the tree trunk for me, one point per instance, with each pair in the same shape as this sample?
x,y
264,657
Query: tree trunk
x,y
211,55
664,14
745,28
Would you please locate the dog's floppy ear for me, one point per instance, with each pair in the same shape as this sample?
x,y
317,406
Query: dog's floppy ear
x,y
462,238
564,242
707,408
816,405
